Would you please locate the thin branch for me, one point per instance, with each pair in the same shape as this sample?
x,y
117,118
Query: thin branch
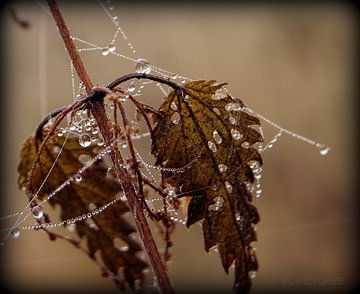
x,y
97,109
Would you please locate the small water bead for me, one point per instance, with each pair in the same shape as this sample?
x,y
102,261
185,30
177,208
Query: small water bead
x,y
324,150
173,106
236,134
186,98
222,167
174,76
15,233
212,146
88,128
232,120
84,140
252,274
175,118
37,212
111,48
100,142
238,216
105,51
219,201
142,66
131,88
228,186
94,131
78,178
233,107
245,145
217,111
217,137
214,187
124,145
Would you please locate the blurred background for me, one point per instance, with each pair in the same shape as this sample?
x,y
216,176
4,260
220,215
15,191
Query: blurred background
x,y
294,64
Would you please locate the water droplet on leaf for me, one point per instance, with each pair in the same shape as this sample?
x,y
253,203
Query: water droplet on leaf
x,y
173,106
222,167
131,88
84,140
217,137
175,118
236,134
212,146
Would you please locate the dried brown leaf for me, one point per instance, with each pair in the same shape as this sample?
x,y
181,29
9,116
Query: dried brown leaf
x,y
78,198
207,134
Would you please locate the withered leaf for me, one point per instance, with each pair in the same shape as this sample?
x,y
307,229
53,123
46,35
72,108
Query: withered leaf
x,y
207,132
78,198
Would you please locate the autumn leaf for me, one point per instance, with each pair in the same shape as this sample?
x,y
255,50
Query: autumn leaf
x,y
206,134
107,232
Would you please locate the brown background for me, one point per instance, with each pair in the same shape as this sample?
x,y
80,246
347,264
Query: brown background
x,y
292,63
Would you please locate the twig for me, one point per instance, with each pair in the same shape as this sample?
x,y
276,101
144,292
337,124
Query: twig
x,y
97,109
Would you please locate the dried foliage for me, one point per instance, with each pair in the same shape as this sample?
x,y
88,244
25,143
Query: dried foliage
x,y
206,130
105,231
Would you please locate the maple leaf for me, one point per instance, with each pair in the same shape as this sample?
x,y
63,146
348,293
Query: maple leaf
x,y
207,131
81,197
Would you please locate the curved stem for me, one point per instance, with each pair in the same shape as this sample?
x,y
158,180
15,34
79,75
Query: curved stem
x,y
140,76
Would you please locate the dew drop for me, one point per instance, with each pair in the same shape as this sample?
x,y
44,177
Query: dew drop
x,y
245,145
222,167
228,186
105,51
217,137
175,118
233,107
124,145
111,48
174,76
100,142
142,66
84,140
78,178
252,274
217,111
15,233
173,106
37,211
324,150
214,187
236,134
131,88
219,96
123,197
212,146
232,120
238,216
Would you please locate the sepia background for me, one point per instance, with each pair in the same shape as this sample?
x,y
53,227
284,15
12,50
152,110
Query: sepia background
x,y
294,64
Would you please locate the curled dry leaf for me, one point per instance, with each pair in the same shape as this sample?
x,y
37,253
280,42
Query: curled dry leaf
x,y
102,231
207,131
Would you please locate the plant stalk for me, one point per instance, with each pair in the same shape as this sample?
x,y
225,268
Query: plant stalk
x,y
98,111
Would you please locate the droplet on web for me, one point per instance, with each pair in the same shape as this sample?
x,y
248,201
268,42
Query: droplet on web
x,y
228,186
105,51
37,211
15,233
131,88
142,66
78,178
324,150
111,48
